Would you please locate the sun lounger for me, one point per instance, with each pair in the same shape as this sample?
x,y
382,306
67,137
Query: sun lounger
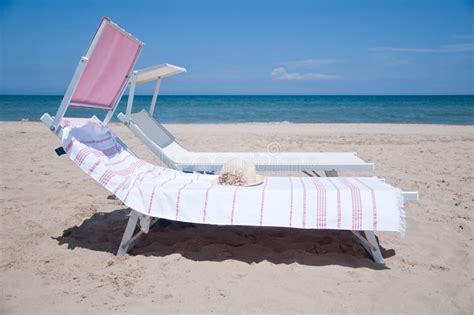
x,y
358,204
163,144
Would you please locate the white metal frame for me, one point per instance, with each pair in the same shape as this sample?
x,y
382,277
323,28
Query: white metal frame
x,y
212,167
367,239
155,96
155,73
54,122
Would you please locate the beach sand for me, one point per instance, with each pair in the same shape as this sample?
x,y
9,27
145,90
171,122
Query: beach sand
x,y
59,232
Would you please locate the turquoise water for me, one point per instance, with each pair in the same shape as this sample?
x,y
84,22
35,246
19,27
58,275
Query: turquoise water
x,y
292,109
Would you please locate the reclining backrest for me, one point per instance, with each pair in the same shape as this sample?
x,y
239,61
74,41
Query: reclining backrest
x,y
111,57
155,131
102,74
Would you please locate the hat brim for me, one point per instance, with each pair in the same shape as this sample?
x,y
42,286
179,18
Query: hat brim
x,y
258,181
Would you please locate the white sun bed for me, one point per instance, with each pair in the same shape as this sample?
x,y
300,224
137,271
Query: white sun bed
x,y
360,205
163,144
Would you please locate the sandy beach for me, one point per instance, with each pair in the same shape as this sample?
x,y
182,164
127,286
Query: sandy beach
x,y
59,232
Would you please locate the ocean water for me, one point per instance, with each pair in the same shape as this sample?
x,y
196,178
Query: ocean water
x,y
291,109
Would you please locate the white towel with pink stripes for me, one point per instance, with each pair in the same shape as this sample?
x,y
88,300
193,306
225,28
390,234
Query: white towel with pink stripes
x,y
347,203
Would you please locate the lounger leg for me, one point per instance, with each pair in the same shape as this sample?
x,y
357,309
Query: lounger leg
x,y
369,242
374,249
129,240
128,234
363,241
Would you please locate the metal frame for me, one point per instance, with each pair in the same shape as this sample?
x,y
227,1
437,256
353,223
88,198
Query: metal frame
x,y
154,74
54,122
155,96
215,167
129,240
367,239
131,94
210,167
135,79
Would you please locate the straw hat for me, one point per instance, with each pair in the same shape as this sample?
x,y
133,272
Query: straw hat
x,y
237,172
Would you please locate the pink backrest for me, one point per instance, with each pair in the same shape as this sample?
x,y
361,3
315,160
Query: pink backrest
x,y
111,58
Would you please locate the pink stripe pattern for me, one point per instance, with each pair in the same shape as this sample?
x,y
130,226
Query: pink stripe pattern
x,y
130,189
119,161
131,168
106,177
206,200
121,185
356,204
320,203
301,202
338,201
143,176
374,203
93,167
168,180
179,196
303,186
69,146
137,179
82,155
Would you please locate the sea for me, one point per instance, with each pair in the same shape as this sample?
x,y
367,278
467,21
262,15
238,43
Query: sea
x,y
449,110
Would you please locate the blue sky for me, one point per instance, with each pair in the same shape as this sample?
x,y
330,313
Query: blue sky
x,y
252,47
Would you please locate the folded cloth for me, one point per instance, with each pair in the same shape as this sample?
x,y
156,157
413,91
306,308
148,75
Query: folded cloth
x,y
348,203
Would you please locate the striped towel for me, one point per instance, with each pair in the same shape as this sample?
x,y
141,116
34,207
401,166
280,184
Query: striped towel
x,y
347,203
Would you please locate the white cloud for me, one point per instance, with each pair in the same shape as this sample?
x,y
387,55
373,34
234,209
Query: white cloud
x,y
303,70
309,63
442,49
281,73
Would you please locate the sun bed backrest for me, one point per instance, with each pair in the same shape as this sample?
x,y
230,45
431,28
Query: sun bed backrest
x,y
102,74
155,131
111,57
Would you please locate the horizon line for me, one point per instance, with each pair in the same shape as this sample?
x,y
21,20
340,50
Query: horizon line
x,y
150,95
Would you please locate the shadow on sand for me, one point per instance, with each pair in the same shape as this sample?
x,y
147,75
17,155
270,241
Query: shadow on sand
x,y
202,242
